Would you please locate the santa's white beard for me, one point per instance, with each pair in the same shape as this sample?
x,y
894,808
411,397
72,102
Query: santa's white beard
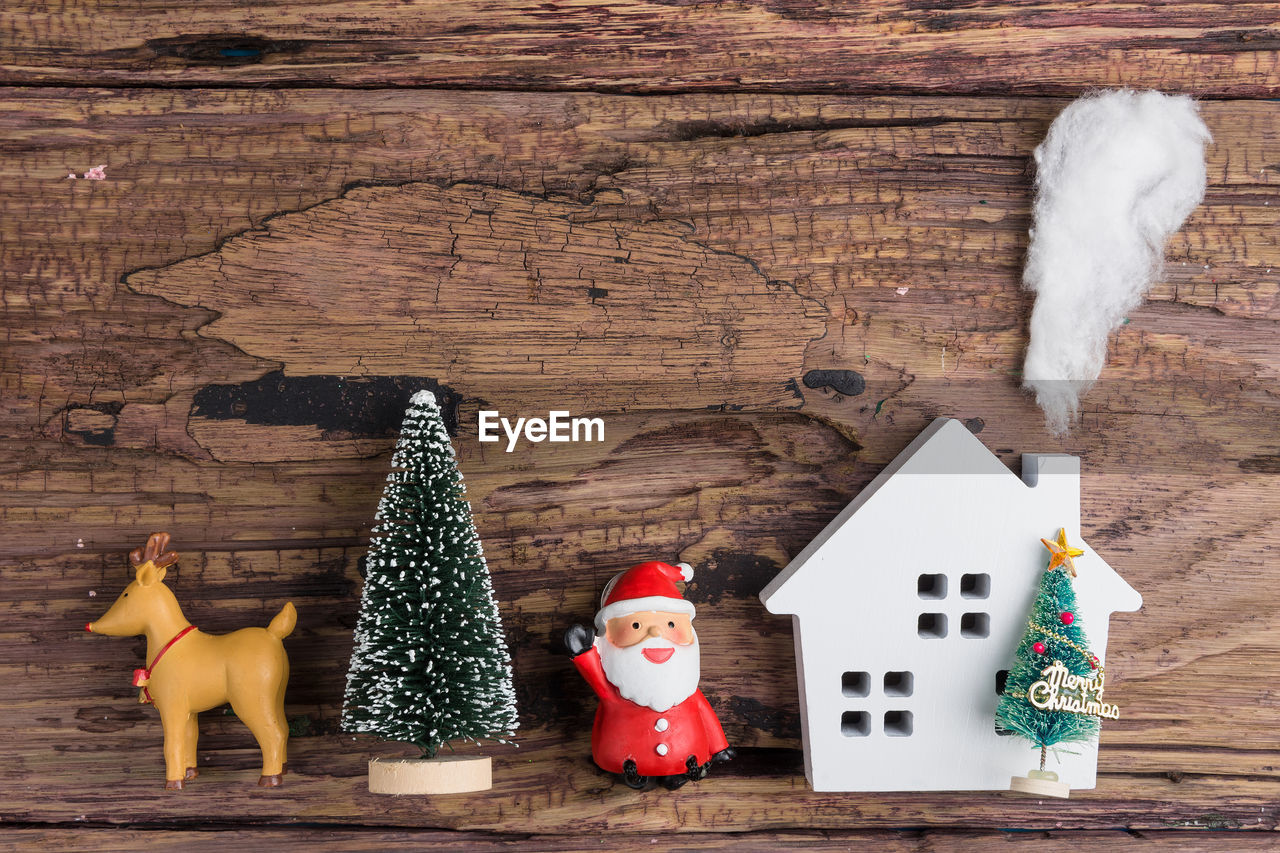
x,y
655,685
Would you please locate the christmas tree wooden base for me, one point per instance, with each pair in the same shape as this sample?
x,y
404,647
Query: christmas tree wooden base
x,y
1040,783
453,774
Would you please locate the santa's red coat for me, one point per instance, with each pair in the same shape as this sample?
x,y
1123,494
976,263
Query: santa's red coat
x,y
660,742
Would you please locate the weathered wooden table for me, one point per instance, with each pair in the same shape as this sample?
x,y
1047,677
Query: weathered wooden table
x,y
766,241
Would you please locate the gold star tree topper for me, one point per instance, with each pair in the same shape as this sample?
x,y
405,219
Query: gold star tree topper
x,y
1063,553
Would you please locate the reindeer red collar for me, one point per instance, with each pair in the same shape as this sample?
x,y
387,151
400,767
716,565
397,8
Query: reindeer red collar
x,y
247,668
142,677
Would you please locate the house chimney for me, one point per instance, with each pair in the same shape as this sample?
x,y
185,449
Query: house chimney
x,y
1055,478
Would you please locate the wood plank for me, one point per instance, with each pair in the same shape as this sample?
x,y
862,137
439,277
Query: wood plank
x,y
84,697
1208,47
850,253
97,840
142,389
552,785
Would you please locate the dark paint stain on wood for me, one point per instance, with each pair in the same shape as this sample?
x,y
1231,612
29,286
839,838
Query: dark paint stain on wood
x,y
813,11
94,423
1224,41
756,761
954,23
974,425
850,383
781,722
558,699
732,574
340,406
109,718
939,5
221,48
1261,465
693,129
305,725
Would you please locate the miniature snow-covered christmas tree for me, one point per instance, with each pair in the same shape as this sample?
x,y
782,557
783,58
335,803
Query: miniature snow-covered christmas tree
x,y
430,664
1053,694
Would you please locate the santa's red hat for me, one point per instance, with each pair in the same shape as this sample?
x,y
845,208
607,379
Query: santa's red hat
x,y
648,586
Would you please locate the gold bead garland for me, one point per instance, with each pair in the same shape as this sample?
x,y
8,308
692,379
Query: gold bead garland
x,y
1093,659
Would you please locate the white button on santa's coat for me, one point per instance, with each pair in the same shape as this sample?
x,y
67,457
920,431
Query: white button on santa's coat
x,y
661,725
661,749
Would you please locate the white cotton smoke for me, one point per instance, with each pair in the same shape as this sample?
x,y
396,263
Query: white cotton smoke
x,y
1117,174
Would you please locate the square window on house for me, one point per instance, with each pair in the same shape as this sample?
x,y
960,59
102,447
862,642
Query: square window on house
x,y
855,683
899,683
855,724
975,625
975,586
897,723
1002,678
932,626
931,586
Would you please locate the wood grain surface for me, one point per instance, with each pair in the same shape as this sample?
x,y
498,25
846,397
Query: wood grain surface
x,y
765,291
907,841
1211,47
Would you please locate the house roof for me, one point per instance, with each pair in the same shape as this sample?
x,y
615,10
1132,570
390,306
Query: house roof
x,y
946,448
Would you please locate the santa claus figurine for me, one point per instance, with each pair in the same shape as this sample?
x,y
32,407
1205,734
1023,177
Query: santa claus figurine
x,y
653,725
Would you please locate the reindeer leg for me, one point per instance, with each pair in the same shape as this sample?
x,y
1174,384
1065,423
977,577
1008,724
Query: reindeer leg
x,y
282,726
175,736
271,732
192,735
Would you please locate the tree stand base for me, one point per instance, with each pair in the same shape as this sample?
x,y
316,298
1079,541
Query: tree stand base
x,y
1040,783
454,774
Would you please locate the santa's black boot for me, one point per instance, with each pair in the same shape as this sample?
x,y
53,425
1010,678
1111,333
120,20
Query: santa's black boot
x,y
633,779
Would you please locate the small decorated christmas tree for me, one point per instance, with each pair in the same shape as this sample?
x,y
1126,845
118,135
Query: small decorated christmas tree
x,y
430,663
1053,694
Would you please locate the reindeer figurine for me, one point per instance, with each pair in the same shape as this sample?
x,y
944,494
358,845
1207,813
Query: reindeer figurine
x,y
189,671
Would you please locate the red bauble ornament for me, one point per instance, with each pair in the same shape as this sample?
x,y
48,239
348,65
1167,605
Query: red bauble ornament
x,y
1067,618
1038,648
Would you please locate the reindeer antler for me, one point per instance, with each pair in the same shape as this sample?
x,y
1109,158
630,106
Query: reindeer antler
x,y
154,552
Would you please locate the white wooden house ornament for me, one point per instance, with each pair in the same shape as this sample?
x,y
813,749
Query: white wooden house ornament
x,y
907,609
